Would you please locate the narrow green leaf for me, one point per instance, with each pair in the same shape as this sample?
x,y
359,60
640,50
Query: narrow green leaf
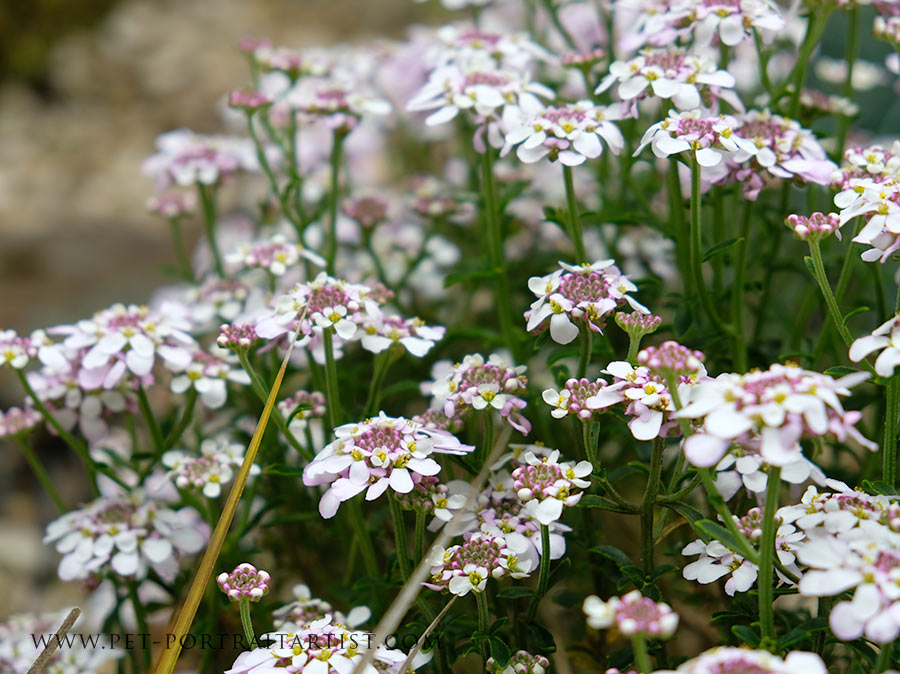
x,y
720,248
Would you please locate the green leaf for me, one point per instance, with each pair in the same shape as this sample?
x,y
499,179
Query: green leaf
x,y
595,501
560,354
538,638
746,634
284,470
807,261
720,533
561,571
853,313
612,553
840,371
691,514
879,488
499,651
720,248
801,633
497,625
515,592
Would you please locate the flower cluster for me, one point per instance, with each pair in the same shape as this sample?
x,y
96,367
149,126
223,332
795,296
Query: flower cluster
x,y
305,609
522,662
645,391
466,567
884,338
186,158
569,134
879,203
578,295
274,254
670,74
813,227
708,138
545,485
632,614
478,384
126,535
375,454
573,397
245,583
214,467
731,659
769,411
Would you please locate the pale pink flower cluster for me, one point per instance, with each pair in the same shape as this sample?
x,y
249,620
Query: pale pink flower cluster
x,y
783,150
23,636
305,609
815,226
646,395
545,484
632,614
710,139
884,338
215,466
215,301
209,373
186,158
466,567
340,100
121,344
431,497
126,535
478,384
172,203
731,659
878,202
573,397
246,582
569,134
771,410
670,74
522,662
380,332
323,646
851,543
887,29
716,561
744,467
275,254
578,295
875,162
18,420
661,22
374,455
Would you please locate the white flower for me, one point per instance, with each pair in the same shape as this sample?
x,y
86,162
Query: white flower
x,y
885,338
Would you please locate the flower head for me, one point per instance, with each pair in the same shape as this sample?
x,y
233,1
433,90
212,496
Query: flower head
x,y
545,485
632,614
466,567
813,227
884,338
522,662
244,583
575,296
376,454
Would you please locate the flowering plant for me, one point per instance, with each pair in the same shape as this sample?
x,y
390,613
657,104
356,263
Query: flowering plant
x,y
461,377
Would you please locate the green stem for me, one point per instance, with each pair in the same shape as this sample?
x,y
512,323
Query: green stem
x,y
737,291
590,445
585,356
184,421
696,251
814,30
399,535
382,362
261,390
850,54
574,222
641,657
366,548
150,419
484,622
766,590
884,658
333,194
419,546
280,195
331,381
746,550
554,18
247,623
889,446
140,614
184,262
822,279
634,344
543,572
843,282
40,473
649,503
207,199
494,237
488,440
78,447
676,219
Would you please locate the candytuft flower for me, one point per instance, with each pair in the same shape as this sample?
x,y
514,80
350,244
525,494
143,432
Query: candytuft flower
x,y
632,614
245,583
884,338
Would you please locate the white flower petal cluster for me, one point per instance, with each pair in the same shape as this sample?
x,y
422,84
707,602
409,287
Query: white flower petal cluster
x,y
126,535
769,412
